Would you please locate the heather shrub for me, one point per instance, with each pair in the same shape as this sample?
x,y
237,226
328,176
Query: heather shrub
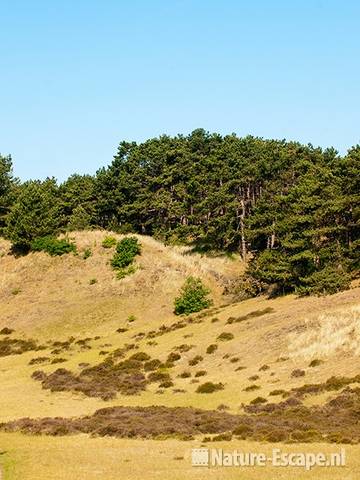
x,y
209,387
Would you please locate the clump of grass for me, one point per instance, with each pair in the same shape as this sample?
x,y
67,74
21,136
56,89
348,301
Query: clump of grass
x,y
234,359
251,388
37,360
238,369
140,356
122,330
258,400
253,378
87,253
125,271
183,348
211,348
185,374
200,373
278,391
58,360
248,316
6,331
152,365
209,387
315,363
225,336
195,360
14,346
158,376
92,281
263,368
109,242
298,373
173,357
131,318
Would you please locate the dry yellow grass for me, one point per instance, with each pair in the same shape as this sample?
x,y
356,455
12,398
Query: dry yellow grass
x,y
51,299
331,333
84,458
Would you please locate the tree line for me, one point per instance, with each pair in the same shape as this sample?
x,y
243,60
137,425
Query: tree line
x,y
290,210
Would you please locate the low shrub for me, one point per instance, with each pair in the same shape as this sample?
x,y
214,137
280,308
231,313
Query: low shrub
x,y
225,336
278,391
87,253
109,242
195,360
152,365
173,357
209,387
193,297
297,373
140,356
315,363
52,246
126,251
258,400
211,348
6,331
158,376
263,368
201,373
251,388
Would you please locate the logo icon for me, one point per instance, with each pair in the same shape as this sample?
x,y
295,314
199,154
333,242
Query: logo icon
x,y
200,457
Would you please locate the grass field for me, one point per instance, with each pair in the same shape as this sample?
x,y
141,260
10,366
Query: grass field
x,y
50,299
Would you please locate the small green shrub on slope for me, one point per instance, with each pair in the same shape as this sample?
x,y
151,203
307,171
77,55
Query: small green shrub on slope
x,y
126,251
53,246
193,297
109,242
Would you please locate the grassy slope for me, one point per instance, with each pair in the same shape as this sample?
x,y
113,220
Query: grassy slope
x,y
51,299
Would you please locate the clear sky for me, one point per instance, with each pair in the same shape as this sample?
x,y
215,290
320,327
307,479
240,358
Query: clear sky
x,y
79,76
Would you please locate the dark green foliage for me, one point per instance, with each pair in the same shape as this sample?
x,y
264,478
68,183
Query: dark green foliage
x,y
7,189
34,214
291,209
193,297
126,251
52,246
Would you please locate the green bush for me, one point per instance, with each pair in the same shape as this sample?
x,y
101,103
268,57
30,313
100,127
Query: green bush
x,y
124,272
126,251
109,242
52,246
193,297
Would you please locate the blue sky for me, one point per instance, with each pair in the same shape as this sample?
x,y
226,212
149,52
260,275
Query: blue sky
x,y
77,77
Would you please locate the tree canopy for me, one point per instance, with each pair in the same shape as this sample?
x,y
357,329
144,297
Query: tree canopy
x,y
292,211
